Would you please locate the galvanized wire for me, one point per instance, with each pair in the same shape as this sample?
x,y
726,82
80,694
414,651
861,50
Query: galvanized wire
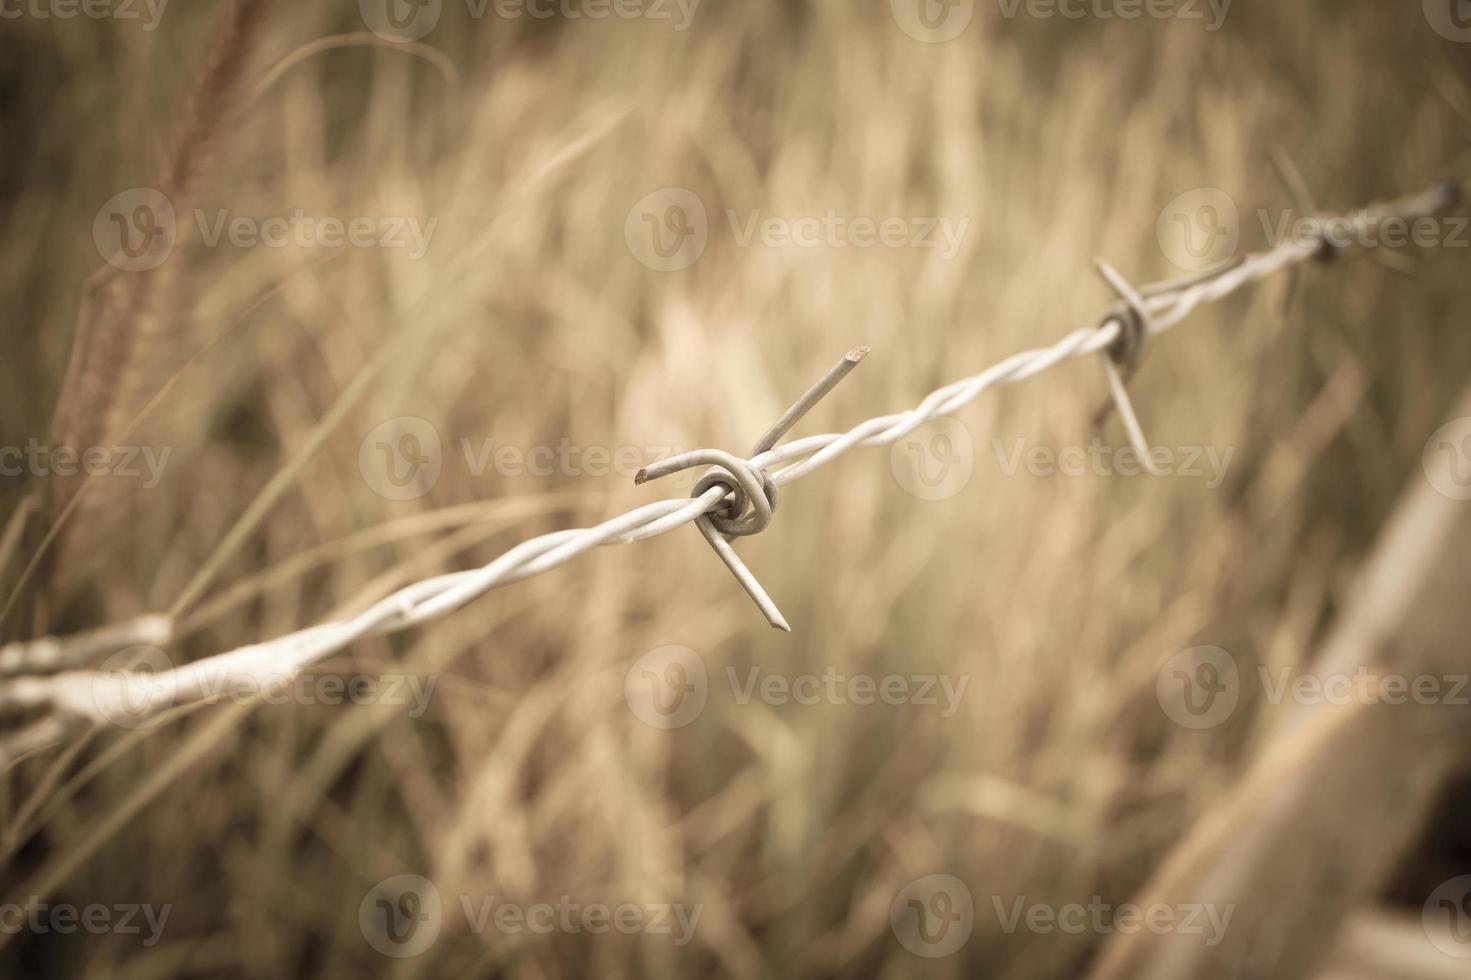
x,y
81,696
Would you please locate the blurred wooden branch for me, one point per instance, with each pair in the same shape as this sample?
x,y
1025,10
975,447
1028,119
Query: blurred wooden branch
x,y
1378,945
1314,827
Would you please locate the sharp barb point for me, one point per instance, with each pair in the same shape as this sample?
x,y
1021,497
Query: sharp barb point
x,y
813,395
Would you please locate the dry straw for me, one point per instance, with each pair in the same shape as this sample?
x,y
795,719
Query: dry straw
x,y
734,498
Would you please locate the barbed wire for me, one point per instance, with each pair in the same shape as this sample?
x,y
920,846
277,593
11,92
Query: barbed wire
x,y
736,497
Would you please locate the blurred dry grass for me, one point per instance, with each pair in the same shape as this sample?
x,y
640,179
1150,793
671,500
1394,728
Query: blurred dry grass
x,y
529,321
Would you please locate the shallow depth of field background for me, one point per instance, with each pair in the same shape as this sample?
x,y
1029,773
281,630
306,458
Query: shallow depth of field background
x,y
530,320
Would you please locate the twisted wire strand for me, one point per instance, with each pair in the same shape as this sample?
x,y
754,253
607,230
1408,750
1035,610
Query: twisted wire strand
x,y
82,697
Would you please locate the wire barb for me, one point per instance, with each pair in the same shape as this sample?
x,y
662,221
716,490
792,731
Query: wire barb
x,y
748,487
814,394
1121,358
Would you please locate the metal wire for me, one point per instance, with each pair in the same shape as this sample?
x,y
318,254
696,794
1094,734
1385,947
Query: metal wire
x,y
743,483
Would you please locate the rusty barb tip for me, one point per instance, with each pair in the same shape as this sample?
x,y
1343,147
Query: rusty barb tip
x,y
641,477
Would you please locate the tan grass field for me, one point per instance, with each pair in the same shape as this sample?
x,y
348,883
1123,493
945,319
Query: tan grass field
x,y
1045,603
